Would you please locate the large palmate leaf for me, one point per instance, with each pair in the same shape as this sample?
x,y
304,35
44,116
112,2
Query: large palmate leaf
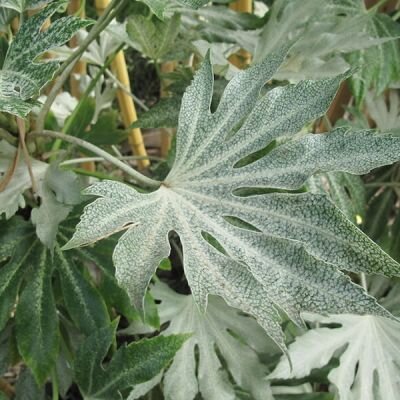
x,y
380,64
152,37
280,250
385,111
129,366
161,7
322,31
222,330
23,76
369,366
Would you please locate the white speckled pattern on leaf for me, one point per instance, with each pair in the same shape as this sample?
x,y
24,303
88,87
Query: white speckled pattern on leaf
x,y
292,262
369,366
22,77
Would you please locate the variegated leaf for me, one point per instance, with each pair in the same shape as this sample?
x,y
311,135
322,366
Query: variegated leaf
x,y
23,76
222,336
369,365
280,250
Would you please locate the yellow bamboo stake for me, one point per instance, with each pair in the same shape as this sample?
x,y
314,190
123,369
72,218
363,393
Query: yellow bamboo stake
x,y
80,66
243,57
166,134
126,104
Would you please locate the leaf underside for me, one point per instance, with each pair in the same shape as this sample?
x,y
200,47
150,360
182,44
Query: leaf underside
x,y
281,251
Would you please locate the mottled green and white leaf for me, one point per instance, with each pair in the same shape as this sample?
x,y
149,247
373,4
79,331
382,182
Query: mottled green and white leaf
x,y
321,33
369,364
347,191
287,254
221,332
23,75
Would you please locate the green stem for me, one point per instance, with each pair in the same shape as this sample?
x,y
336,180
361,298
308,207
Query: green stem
x,y
97,159
377,6
54,384
95,174
142,179
67,67
379,184
363,280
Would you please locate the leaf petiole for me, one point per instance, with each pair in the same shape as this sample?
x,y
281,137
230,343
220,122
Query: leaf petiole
x,y
144,180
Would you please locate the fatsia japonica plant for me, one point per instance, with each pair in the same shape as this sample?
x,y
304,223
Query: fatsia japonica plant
x,y
249,251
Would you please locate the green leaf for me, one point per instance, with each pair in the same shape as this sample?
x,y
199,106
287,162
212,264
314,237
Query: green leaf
x,y
369,366
27,389
14,247
83,302
36,317
378,214
80,118
112,293
346,191
3,49
105,131
287,254
163,115
23,76
151,36
130,365
308,396
222,337
28,261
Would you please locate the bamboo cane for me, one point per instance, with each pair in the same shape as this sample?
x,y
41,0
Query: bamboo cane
x,y
80,66
79,69
166,132
126,104
243,57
